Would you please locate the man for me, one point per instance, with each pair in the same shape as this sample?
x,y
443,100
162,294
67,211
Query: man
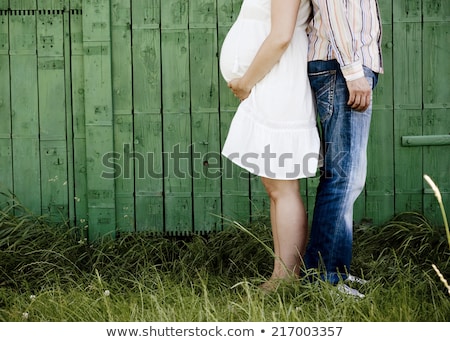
x,y
344,63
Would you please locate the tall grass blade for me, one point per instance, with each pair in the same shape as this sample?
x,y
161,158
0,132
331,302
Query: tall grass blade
x,y
438,195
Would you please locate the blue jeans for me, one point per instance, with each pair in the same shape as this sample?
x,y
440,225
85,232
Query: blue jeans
x,y
345,135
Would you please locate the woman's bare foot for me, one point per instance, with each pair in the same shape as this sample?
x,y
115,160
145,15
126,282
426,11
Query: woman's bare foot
x,y
272,284
269,286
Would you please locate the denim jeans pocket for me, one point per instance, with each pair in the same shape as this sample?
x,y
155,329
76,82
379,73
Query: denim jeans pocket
x,y
323,83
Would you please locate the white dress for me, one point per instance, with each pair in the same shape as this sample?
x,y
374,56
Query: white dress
x,y
274,131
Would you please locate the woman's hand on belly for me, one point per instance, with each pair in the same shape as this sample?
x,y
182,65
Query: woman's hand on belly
x,y
239,88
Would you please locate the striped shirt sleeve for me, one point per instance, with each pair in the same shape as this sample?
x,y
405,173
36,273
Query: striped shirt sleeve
x,y
335,20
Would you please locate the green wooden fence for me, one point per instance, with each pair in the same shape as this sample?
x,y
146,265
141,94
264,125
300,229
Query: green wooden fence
x,y
113,113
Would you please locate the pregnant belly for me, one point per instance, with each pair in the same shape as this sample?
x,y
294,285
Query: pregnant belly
x,y
239,48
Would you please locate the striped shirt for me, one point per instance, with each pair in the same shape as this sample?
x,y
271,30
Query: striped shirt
x,y
348,31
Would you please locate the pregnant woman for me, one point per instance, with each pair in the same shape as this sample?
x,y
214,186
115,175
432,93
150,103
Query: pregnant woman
x,y
274,131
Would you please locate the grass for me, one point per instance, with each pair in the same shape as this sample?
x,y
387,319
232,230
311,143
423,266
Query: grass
x,y
47,273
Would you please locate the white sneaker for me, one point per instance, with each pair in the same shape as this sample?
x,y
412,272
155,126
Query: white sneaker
x,y
356,280
345,289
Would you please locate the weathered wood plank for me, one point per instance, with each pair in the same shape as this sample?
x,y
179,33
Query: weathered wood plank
x,y
311,191
52,4
123,107
178,183
383,96
380,170
408,66
26,171
259,200
100,187
79,133
121,60
98,92
54,184
207,213
24,96
407,10
149,213
102,222
436,161
175,71
100,179
204,72
175,14
148,155
436,93
99,138
22,34
4,32
149,172
203,14
124,184
147,71
408,162
76,33
4,4
96,20
80,179
178,214
227,11
50,34
52,98
98,116
22,4
6,175
77,77
6,167
24,110
78,122
77,73
436,10
146,14
76,4
121,14
5,100
432,209
385,7
177,145
125,212
383,103
71,220
235,181
206,173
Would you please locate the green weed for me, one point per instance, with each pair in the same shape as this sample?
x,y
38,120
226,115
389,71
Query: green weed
x,y
50,273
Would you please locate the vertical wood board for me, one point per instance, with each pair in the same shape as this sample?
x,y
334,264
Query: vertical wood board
x,y
54,185
175,71
146,14
175,14
5,100
6,167
4,32
22,4
147,71
204,70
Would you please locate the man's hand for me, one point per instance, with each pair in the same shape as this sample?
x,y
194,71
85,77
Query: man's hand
x,y
239,88
360,94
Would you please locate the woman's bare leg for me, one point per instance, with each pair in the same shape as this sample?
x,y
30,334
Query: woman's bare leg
x,y
289,228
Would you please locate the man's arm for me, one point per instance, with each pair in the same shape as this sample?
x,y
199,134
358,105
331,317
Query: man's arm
x,y
339,32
